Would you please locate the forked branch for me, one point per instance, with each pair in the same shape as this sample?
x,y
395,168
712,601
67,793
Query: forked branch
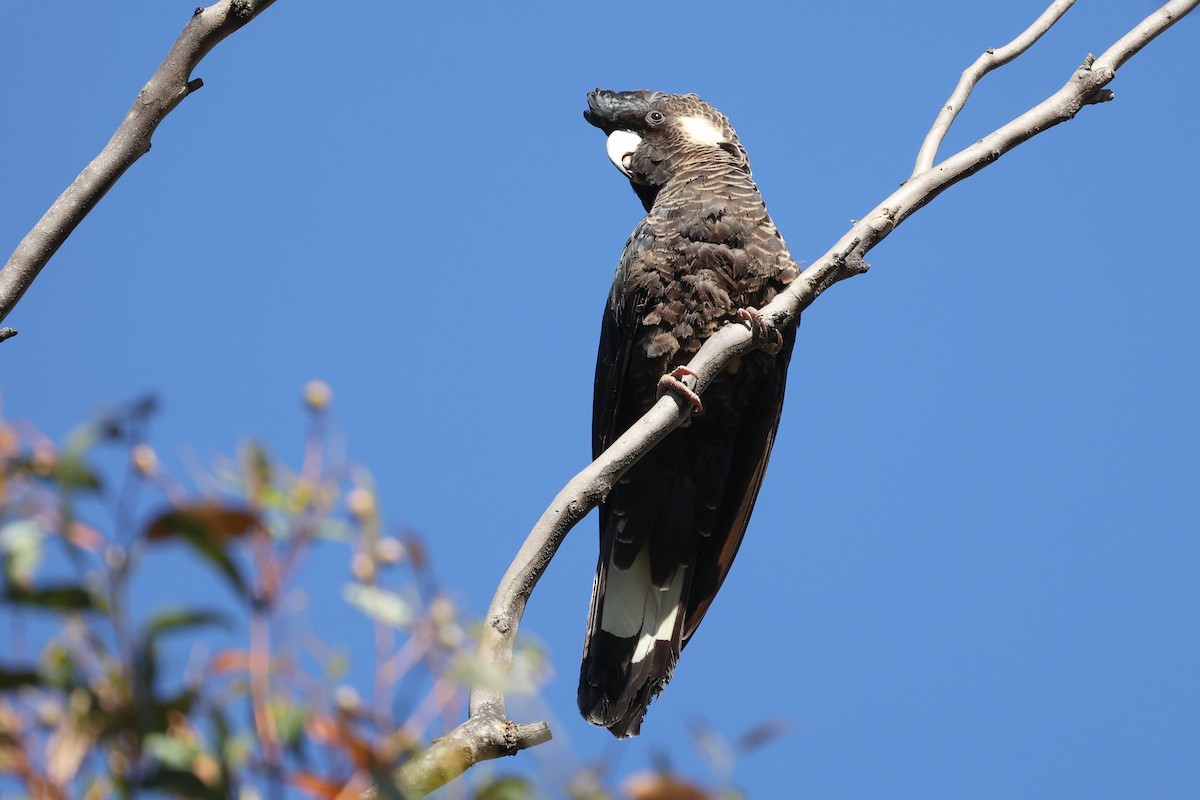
x,y
992,58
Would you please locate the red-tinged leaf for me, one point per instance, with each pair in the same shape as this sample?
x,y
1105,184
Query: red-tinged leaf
x,y
359,752
229,661
211,520
332,732
65,751
359,784
416,552
323,728
315,785
85,537
208,529
656,786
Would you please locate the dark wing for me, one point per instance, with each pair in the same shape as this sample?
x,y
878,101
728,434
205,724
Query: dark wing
x,y
672,525
617,680
750,450
617,330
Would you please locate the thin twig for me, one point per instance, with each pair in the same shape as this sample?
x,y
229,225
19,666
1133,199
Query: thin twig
x,y
992,58
168,86
487,733
259,667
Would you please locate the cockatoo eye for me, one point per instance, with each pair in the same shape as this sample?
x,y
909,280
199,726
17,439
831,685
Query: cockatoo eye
x,y
655,117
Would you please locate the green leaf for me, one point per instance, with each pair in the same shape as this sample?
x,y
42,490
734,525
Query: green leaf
x,y
238,750
207,529
11,679
505,788
169,751
257,469
211,520
21,550
180,783
58,667
289,723
72,473
154,714
182,703
63,597
178,619
146,711
215,554
226,745
380,604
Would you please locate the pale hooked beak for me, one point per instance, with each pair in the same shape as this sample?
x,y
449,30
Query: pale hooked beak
x,y
620,147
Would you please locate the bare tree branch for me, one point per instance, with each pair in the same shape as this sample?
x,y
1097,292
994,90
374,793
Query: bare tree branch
x,y
478,739
992,58
167,87
487,733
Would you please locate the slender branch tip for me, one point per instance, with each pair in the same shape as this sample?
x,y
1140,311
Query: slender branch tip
x,y
167,87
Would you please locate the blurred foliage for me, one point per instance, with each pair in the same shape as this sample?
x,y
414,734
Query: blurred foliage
x,y
89,705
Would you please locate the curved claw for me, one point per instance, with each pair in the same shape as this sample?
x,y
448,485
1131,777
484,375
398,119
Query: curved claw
x,y
765,335
672,381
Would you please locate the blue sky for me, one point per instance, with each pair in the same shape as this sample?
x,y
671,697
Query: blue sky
x,y
972,570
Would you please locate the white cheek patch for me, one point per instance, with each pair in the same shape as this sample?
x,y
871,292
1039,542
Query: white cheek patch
x,y
701,130
620,147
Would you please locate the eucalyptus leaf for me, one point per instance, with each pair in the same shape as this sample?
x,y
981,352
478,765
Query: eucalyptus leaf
x,y
55,597
19,679
505,788
21,550
180,783
380,604
169,751
180,619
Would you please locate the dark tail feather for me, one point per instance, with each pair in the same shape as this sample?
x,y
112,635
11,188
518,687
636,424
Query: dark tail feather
x,y
634,638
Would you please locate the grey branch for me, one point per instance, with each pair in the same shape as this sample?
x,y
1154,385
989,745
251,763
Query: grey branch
x,y
586,490
992,58
478,739
167,87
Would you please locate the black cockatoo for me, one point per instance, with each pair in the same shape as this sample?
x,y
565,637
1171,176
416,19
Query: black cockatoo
x,y
706,254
